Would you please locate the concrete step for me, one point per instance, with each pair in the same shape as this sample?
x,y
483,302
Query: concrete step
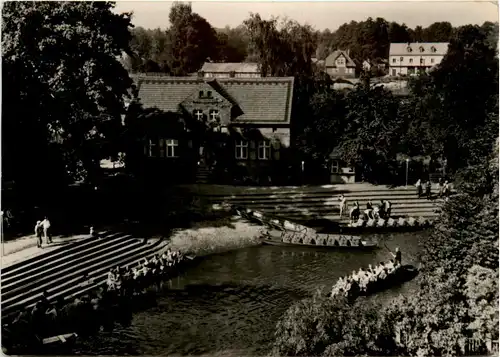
x,y
46,263
40,273
73,277
46,256
323,210
67,268
318,192
331,204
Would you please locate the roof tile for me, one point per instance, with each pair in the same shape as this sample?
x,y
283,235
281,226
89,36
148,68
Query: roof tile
x,y
262,100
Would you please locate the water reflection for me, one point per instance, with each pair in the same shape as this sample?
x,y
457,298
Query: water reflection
x,y
231,302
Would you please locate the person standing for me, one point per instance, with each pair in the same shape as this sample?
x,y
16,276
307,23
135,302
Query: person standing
x,y
397,256
418,185
440,187
39,233
428,190
46,230
342,205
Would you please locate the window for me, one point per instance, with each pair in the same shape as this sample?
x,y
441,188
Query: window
x,y
201,94
422,61
393,72
214,115
411,60
198,114
172,146
393,60
432,60
421,49
340,61
264,150
335,167
151,148
209,94
241,149
433,49
409,49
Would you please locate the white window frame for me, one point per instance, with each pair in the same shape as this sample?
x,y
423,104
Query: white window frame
x,y
335,168
340,61
215,117
265,146
241,149
196,112
171,144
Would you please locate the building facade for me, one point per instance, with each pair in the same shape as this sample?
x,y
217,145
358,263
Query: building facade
x,y
230,70
236,127
339,64
412,58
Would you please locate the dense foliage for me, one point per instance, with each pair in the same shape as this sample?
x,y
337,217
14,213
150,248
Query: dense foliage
x,y
457,291
370,39
64,94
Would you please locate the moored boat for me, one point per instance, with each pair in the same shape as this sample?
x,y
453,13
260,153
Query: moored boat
x,y
328,241
59,339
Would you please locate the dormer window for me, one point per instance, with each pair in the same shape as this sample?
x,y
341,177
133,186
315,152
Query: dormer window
x,y
433,49
201,94
207,94
421,49
409,49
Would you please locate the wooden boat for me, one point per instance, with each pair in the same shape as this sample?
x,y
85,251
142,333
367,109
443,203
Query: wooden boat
x,y
59,339
399,224
274,237
401,275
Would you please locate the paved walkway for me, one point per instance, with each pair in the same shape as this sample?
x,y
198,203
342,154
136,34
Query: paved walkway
x,y
25,247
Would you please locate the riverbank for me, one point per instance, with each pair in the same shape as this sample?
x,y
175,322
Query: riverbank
x,y
203,240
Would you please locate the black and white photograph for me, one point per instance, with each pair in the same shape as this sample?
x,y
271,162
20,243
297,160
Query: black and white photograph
x,y
250,178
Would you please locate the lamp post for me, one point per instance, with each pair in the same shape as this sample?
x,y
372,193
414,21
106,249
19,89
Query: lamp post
x,y
302,166
407,161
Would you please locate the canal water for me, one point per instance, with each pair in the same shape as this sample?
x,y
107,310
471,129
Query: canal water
x,y
229,303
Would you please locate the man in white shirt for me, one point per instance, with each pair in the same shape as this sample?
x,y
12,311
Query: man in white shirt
x,y
46,230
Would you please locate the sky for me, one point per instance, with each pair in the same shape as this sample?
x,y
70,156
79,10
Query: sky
x,y
319,14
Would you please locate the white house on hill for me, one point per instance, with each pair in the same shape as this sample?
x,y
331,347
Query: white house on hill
x,y
412,58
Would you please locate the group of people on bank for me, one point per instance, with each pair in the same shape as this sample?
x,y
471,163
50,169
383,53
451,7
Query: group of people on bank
x,y
443,186
372,211
91,311
360,281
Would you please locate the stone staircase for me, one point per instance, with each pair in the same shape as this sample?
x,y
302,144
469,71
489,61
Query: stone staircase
x,y
323,203
70,270
203,173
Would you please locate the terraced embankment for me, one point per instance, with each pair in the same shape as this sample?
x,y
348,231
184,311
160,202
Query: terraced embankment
x,y
320,202
71,270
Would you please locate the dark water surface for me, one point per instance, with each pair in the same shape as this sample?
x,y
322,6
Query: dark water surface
x,y
229,303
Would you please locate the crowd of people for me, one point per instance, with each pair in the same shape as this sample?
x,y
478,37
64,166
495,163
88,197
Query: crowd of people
x,y
92,311
372,211
361,281
333,240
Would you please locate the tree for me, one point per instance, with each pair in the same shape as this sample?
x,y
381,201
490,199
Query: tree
x,y
60,63
284,50
438,32
192,40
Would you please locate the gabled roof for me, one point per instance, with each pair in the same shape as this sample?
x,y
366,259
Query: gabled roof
x,y
414,49
330,60
262,100
230,67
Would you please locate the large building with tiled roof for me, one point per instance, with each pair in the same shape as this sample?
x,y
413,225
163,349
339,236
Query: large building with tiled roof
x,y
339,64
413,58
250,117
